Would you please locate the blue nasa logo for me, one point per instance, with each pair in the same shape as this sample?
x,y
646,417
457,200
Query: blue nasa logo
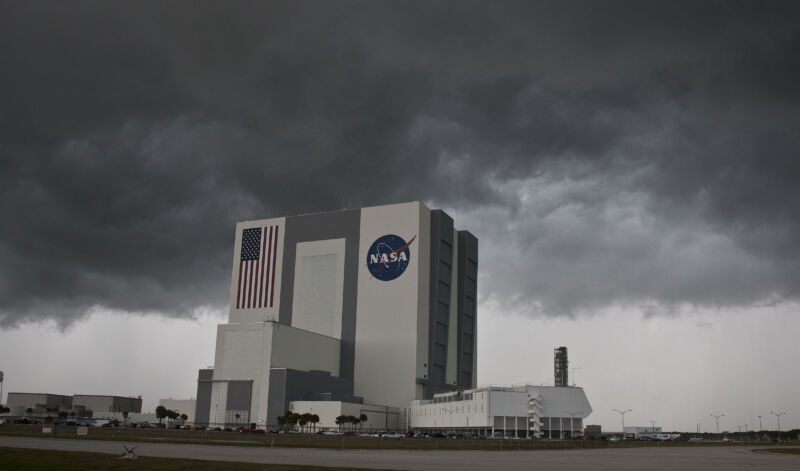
x,y
388,257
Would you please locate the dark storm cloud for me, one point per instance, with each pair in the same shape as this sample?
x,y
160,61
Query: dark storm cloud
x,y
603,153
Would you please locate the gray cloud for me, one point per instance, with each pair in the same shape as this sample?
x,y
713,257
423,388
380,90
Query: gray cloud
x,y
604,154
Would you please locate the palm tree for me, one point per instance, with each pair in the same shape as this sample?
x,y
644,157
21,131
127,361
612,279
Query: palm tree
x,y
290,418
161,413
304,419
362,418
315,421
339,421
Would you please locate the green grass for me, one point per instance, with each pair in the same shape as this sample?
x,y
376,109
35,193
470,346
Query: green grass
x,y
781,450
26,459
289,440
197,437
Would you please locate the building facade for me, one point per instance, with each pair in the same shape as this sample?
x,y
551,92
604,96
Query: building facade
x,y
181,406
642,432
22,403
522,411
102,403
83,405
363,306
379,418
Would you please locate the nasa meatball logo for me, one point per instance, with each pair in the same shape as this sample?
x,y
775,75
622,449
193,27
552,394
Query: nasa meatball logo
x,y
388,257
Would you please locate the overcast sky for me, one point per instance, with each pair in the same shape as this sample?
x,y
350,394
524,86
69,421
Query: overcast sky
x,y
630,169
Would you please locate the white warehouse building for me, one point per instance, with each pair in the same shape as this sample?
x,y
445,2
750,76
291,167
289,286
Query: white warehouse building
x,y
520,411
366,309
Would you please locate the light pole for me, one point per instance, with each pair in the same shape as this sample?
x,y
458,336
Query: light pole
x,y
653,424
622,417
779,420
760,428
571,418
717,417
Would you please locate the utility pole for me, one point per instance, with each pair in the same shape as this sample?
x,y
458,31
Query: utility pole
x,y
717,417
622,417
779,419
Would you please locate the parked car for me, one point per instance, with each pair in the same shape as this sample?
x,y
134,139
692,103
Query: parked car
x,y
393,435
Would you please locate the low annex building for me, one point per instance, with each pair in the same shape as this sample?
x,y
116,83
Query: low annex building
x,y
181,406
521,411
83,405
100,403
22,403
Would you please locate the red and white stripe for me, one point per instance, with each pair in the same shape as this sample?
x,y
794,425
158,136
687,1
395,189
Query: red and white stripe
x,y
256,287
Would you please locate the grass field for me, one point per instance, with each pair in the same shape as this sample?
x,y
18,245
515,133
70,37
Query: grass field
x,y
330,441
782,451
25,459
288,440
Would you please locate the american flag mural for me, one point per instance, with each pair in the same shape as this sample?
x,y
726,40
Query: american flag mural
x,y
256,287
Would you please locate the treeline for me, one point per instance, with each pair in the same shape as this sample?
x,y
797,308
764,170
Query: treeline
x,y
308,421
164,413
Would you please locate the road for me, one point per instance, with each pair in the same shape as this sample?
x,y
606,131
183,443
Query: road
x,y
728,458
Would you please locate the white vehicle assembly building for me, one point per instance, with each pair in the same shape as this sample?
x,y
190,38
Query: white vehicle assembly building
x,y
362,311
360,306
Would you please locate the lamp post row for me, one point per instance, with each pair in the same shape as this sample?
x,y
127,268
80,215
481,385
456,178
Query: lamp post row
x,y
622,417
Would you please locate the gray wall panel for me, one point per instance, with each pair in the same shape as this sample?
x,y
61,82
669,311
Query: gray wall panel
x,y
203,404
441,263
467,296
276,401
335,225
239,395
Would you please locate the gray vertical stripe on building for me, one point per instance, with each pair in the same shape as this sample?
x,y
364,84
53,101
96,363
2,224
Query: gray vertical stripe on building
x,y
238,401
323,226
203,404
441,273
467,285
239,394
277,404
